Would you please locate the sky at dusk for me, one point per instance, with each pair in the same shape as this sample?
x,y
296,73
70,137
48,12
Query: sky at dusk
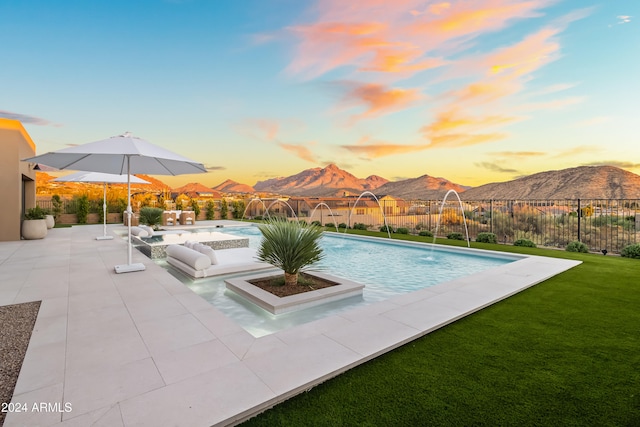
x,y
473,91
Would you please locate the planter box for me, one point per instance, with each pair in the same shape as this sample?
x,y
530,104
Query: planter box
x,y
33,229
93,218
277,305
67,219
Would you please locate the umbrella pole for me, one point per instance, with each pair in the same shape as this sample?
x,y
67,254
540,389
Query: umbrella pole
x,y
104,214
129,267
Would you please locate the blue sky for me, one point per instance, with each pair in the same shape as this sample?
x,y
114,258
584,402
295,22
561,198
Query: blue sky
x,y
472,91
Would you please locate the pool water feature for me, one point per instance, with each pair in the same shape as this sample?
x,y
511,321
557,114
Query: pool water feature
x,y
387,268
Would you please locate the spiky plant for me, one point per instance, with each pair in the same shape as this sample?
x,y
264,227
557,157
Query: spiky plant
x,y
151,216
290,246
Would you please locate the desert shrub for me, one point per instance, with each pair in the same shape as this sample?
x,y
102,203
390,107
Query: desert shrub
x,y
359,226
316,223
631,251
455,236
302,222
56,201
524,242
402,230
237,209
195,207
425,233
211,210
224,209
386,228
342,225
35,213
258,217
151,216
82,208
330,225
451,216
486,238
118,205
577,246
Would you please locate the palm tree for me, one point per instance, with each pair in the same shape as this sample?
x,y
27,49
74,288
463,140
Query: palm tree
x,y
290,246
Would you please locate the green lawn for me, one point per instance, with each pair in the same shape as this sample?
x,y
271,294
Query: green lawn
x,y
563,353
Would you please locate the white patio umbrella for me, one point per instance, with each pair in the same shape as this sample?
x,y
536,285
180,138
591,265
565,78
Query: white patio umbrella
x,y
104,178
120,155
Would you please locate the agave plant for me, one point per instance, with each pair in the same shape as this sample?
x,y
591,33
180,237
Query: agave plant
x,y
151,216
290,246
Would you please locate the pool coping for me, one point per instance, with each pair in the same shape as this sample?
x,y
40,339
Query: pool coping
x,y
141,349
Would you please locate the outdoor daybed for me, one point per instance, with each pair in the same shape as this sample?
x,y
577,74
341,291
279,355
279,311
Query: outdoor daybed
x,y
202,261
142,231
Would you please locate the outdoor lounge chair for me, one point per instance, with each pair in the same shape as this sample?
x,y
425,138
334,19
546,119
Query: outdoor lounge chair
x,y
135,219
169,218
203,261
187,218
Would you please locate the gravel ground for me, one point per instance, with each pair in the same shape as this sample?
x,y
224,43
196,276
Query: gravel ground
x,y
16,325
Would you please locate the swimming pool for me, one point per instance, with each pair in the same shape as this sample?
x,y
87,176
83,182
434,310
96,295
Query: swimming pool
x,y
387,268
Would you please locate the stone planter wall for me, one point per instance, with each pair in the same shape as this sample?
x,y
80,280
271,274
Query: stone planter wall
x,y
92,218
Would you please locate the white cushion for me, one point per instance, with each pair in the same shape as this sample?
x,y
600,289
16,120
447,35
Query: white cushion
x,y
148,229
138,231
192,258
189,244
208,251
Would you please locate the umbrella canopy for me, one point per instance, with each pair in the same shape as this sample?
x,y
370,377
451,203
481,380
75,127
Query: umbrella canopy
x,y
99,178
112,155
123,154
104,178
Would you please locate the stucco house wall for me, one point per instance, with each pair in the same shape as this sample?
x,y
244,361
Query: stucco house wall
x,y
17,178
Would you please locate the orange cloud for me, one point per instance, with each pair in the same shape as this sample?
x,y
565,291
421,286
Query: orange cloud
x,y
527,56
396,37
517,154
463,140
378,99
453,129
395,40
373,151
464,18
503,74
300,151
452,120
581,149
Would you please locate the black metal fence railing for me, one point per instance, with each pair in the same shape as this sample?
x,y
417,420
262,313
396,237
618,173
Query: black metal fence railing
x,y
600,224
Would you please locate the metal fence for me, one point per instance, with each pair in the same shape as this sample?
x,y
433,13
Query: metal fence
x,y
600,224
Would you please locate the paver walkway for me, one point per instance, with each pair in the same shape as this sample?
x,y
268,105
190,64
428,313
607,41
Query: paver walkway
x,y
141,349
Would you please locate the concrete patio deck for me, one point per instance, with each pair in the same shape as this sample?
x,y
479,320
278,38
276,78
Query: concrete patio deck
x,y
141,349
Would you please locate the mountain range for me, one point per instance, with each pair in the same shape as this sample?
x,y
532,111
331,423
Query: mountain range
x,y
582,182
327,181
587,182
230,186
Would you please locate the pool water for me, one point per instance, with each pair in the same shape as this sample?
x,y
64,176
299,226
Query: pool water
x,y
387,268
